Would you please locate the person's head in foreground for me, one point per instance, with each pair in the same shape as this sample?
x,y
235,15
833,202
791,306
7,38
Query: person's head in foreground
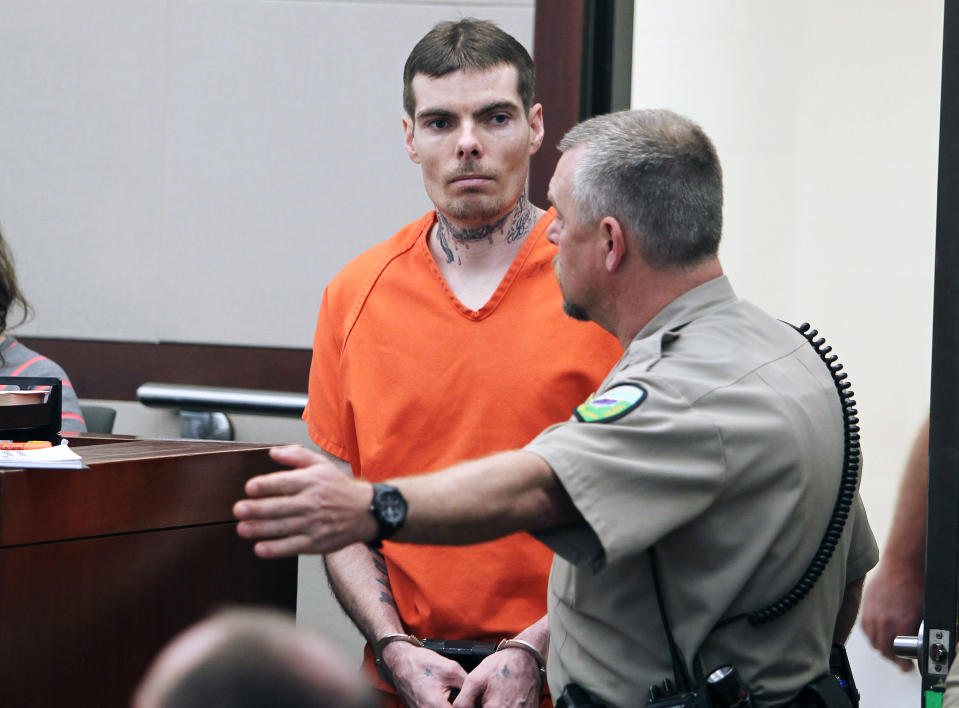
x,y
250,658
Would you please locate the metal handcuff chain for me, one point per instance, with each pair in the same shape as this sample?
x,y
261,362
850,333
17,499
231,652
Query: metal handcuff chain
x,y
848,485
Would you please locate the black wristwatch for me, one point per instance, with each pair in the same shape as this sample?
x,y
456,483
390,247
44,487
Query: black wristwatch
x,y
389,509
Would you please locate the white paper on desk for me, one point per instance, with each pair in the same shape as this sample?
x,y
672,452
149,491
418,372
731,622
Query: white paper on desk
x,y
56,456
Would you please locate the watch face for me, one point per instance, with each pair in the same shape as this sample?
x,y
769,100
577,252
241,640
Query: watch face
x,y
392,507
389,508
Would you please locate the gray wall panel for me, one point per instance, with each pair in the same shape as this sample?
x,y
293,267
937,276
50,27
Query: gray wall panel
x,y
197,171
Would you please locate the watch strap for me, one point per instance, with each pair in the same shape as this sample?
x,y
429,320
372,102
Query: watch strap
x,y
384,529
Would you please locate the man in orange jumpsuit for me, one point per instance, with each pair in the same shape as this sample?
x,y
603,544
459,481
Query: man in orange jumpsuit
x,y
428,349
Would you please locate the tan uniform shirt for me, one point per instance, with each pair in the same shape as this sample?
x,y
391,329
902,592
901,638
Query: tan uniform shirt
x,y
951,699
729,465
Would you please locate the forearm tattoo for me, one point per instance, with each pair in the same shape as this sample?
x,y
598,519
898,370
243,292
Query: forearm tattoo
x,y
519,218
387,599
383,578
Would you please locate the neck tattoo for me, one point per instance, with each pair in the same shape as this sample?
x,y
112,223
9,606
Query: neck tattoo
x,y
520,219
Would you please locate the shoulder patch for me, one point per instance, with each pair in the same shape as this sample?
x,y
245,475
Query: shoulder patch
x,y
611,404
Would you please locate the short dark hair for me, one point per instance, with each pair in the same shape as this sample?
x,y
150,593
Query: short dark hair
x,y
10,295
241,674
251,658
467,45
659,175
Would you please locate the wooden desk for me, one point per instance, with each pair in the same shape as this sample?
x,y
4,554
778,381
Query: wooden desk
x,y
100,567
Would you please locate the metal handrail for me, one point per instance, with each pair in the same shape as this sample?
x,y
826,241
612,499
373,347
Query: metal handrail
x,y
217,399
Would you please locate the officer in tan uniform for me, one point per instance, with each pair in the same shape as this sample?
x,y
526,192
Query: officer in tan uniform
x,y
951,697
721,448
717,440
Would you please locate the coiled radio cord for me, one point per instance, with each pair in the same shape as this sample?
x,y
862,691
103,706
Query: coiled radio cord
x,y
848,484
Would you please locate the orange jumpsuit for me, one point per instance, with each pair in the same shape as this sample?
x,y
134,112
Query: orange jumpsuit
x,y
405,379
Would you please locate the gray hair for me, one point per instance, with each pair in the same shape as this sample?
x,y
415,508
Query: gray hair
x,y
658,174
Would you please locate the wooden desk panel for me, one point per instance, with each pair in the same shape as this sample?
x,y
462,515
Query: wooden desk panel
x,y
131,485
100,567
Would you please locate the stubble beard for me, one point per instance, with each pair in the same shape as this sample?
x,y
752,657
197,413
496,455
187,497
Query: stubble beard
x,y
474,207
575,311
571,309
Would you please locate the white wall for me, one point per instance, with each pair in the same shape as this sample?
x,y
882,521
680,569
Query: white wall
x,y
825,115
197,170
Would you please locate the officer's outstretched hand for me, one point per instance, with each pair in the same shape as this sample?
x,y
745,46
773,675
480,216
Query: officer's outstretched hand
x,y
312,508
508,678
421,676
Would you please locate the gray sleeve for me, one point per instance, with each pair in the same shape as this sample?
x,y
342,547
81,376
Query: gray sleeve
x,y
951,697
71,419
634,479
863,549
576,543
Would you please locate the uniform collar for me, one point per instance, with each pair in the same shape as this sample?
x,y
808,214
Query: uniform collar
x,y
709,296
